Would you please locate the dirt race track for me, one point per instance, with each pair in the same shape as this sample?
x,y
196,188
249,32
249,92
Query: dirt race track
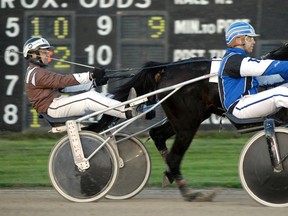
x,y
150,202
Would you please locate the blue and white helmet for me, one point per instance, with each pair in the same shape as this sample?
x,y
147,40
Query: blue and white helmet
x,y
237,29
34,44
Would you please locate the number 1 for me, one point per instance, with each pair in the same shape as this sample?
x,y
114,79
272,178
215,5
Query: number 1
x,y
36,23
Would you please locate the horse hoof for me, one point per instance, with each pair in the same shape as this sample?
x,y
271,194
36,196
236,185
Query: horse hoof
x,y
190,196
204,196
167,179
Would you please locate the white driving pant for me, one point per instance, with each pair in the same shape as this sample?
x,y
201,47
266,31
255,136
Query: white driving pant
x,y
84,103
263,103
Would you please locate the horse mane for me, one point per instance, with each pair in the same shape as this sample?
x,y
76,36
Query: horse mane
x,y
280,53
143,81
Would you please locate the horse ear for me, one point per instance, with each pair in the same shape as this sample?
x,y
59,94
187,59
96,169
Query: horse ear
x,y
157,76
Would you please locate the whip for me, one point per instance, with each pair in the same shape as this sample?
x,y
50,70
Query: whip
x,y
185,61
82,65
56,59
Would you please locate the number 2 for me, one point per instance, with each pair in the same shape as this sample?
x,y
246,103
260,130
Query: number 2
x,y
65,54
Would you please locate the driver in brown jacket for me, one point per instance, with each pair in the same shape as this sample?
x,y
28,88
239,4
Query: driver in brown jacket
x,y
42,87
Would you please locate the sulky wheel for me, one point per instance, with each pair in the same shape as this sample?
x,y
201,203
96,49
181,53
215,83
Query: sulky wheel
x,y
88,185
135,173
256,172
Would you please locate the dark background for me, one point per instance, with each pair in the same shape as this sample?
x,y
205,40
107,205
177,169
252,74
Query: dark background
x,y
140,31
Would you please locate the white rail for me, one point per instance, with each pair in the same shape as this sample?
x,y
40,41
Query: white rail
x,y
169,88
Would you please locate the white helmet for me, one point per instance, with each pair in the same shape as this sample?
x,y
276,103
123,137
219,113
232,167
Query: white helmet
x,y
33,45
238,29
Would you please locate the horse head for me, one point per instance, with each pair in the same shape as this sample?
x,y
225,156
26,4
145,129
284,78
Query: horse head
x,y
278,54
144,81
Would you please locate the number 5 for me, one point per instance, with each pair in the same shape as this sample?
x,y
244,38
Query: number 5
x,y
14,79
13,26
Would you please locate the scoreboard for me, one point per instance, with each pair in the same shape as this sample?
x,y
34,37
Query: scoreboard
x,y
118,34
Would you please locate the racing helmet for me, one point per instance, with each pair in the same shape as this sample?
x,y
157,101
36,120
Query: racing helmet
x,y
33,45
237,29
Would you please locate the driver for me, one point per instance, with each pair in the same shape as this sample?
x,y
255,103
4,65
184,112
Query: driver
x,y
43,87
240,76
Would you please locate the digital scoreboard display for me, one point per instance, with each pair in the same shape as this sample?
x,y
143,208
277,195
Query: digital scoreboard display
x,y
119,34
58,30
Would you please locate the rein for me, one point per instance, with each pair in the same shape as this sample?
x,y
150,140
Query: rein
x,y
163,65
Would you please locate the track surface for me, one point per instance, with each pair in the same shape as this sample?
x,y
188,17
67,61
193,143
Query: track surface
x,y
150,202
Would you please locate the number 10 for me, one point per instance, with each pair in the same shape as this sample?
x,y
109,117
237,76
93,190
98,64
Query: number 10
x,y
60,27
104,54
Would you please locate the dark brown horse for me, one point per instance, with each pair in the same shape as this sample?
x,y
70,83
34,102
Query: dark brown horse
x,y
185,110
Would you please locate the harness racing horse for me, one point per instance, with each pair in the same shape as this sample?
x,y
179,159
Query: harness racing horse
x,y
186,109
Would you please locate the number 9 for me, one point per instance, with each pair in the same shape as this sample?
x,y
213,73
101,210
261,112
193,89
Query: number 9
x,y
104,23
157,23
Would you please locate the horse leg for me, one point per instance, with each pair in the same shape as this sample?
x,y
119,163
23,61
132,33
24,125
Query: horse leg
x,y
159,135
174,159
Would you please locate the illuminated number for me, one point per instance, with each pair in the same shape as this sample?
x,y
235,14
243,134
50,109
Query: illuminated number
x,y
61,24
10,114
11,58
13,79
35,21
65,53
157,23
105,25
12,27
91,54
35,123
104,54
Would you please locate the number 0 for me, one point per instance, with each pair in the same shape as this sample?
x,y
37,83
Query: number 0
x,y
61,27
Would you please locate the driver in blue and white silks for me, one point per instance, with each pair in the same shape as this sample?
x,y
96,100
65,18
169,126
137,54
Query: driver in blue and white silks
x,y
240,76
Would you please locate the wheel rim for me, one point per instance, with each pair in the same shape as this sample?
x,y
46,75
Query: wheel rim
x,y
256,173
86,186
136,171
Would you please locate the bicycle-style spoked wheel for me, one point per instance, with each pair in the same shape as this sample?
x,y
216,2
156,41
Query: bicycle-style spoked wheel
x,y
135,173
256,172
88,185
